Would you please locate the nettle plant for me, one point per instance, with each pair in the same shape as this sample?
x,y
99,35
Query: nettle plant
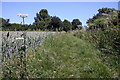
x,y
14,50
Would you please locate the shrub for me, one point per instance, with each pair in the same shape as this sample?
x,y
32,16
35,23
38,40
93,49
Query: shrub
x,y
107,41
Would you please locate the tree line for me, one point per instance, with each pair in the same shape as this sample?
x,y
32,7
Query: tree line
x,y
43,22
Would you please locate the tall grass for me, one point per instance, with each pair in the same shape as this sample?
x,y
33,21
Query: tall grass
x,y
66,56
13,54
60,56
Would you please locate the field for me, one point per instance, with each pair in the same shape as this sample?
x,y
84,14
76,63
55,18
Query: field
x,y
58,56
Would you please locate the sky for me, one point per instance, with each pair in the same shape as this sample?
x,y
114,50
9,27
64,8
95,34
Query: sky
x,y
60,0
64,10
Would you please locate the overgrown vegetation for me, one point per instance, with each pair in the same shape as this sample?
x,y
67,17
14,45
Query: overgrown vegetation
x,y
104,33
90,53
62,56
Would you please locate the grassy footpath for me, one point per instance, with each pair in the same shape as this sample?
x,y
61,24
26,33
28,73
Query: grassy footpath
x,y
66,56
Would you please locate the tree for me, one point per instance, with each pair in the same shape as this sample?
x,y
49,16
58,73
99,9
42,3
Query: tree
x,y
106,10
3,21
76,22
55,24
67,25
42,19
106,17
4,24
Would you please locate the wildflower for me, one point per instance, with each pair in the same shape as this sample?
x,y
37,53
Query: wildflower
x,y
71,75
54,72
20,38
107,18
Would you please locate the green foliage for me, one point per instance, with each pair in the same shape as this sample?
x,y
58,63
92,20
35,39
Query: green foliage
x,y
98,24
75,23
55,24
106,17
42,19
60,56
106,30
104,33
2,21
106,10
67,25
107,42
43,15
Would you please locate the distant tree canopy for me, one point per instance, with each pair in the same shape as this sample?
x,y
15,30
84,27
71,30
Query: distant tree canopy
x,y
67,25
75,23
55,24
43,21
4,23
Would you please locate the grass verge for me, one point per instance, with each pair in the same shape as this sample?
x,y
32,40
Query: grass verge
x,y
65,56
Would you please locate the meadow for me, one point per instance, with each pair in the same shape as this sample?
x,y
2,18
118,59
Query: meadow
x,y
62,55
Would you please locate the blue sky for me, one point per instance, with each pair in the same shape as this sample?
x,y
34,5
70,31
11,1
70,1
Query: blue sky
x,y
64,10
